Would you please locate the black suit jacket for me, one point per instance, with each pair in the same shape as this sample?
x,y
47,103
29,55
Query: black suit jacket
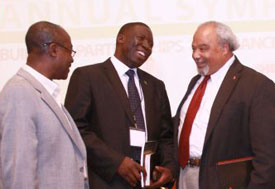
x,y
241,123
99,105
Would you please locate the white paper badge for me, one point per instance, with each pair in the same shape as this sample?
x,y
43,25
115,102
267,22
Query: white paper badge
x,y
137,137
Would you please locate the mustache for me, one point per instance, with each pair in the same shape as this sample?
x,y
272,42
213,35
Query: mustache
x,y
199,60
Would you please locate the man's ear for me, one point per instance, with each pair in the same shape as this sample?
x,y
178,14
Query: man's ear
x,y
52,50
226,48
120,38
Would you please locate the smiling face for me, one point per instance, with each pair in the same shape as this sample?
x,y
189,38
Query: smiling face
x,y
208,54
134,45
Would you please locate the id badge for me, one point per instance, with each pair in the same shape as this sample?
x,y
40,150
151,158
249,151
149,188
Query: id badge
x,y
137,137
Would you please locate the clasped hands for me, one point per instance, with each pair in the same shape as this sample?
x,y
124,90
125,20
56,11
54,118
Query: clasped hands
x,y
131,171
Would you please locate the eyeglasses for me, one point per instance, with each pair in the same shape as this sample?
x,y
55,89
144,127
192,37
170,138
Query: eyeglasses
x,y
73,52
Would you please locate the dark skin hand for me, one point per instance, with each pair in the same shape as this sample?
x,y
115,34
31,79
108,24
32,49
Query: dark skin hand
x,y
130,171
162,176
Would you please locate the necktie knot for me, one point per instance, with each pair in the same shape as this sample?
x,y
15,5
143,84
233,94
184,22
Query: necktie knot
x,y
130,73
206,78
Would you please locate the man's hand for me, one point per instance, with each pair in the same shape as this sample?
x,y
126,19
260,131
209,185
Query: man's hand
x,y
130,170
161,176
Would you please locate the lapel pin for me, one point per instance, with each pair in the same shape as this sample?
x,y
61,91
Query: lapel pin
x,y
145,82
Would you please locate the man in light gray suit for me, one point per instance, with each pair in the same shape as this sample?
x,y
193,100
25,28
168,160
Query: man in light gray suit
x,y
40,146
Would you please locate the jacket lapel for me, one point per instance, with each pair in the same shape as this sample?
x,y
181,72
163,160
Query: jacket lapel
x,y
147,97
230,81
78,139
118,88
49,100
189,89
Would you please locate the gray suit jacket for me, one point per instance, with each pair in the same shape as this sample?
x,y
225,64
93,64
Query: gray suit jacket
x,y
39,148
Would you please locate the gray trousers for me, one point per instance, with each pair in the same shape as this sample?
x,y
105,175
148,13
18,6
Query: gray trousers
x,y
189,178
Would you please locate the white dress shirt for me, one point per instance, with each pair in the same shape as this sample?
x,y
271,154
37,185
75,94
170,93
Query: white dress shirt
x,y
199,127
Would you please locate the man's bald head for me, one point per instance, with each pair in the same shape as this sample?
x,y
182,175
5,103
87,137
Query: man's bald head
x,y
40,33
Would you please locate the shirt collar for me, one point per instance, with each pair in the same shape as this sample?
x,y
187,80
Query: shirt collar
x,y
120,67
52,87
223,70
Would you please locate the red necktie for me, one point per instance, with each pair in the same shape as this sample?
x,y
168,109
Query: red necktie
x,y
188,122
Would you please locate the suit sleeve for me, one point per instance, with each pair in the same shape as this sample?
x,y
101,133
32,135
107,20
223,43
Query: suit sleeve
x,y
79,101
166,144
262,133
18,139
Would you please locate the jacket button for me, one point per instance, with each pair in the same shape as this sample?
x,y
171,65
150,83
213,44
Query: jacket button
x,y
81,169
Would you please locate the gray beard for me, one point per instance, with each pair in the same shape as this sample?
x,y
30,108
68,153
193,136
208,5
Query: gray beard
x,y
204,70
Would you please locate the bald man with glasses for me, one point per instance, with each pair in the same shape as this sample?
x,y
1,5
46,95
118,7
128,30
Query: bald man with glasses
x,y
40,146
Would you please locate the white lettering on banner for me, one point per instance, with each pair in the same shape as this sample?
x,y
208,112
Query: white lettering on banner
x,y
18,14
240,9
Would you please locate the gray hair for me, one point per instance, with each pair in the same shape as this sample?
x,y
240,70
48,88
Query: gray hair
x,y
225,35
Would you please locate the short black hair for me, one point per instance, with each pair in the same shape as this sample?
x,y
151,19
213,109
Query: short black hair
x,y
129,25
